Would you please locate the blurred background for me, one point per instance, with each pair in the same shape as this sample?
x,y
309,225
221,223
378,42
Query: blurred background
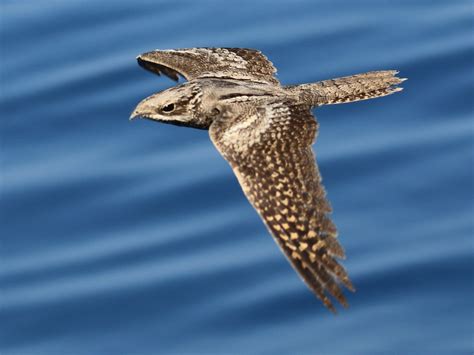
x,y
123,237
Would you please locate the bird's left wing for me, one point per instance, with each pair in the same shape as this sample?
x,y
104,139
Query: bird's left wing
x,y
234,63
269,150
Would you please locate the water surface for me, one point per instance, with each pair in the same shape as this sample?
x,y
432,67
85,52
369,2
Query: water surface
x,y
123,237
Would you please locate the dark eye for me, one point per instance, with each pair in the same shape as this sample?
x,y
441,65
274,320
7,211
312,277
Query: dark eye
x,y
168,108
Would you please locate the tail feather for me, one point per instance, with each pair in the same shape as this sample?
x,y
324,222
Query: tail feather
x,y
350,88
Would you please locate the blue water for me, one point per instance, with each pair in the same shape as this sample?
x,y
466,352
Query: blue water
x,y
123,237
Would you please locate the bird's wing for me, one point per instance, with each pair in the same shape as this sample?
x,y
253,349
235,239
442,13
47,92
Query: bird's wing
x,y
270,153
235,63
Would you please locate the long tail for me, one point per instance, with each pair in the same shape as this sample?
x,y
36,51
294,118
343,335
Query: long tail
x,y
350,88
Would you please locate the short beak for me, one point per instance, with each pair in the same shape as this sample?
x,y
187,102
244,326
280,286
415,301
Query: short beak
x,y
142,110
134,115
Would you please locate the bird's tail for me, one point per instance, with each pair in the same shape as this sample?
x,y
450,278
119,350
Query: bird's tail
x,y
350,88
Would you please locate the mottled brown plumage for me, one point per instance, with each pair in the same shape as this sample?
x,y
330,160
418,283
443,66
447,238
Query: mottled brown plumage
x,y
265,132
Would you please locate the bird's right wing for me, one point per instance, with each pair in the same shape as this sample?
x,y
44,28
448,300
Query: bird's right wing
x,y
270,152
191,63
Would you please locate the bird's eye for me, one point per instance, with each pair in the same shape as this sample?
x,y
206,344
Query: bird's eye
x,y
168,108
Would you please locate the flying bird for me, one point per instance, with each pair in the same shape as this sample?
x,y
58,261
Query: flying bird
x,y
265,131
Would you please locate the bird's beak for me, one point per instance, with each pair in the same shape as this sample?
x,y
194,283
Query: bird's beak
x,y
134,114
142,110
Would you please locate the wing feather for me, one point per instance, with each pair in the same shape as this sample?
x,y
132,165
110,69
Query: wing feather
x,y
273,161
235,63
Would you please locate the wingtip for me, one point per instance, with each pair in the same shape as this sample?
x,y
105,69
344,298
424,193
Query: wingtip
x,y
330,306
348,284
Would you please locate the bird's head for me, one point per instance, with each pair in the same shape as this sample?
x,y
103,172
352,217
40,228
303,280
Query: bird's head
x,y
179,105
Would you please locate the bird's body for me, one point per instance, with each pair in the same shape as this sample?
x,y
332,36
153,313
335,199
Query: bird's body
x,y
265,131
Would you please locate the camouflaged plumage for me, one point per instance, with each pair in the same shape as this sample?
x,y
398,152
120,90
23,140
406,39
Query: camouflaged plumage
x,y
265,132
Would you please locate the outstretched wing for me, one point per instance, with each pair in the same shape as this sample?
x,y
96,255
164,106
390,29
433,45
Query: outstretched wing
x,y
235,63
269,149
